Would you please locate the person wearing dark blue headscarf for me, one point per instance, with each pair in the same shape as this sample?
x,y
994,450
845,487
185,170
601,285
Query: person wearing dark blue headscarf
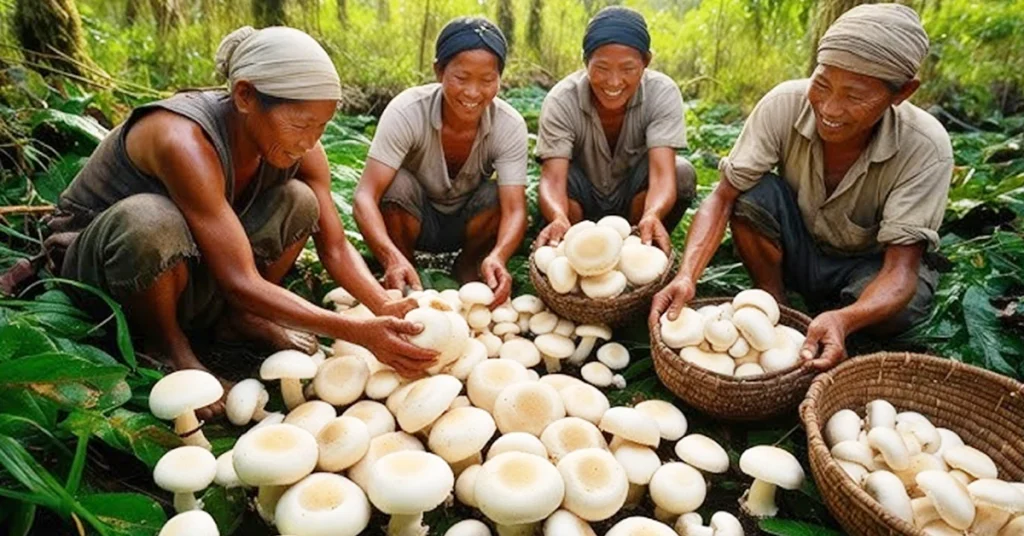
x,y
428,182
608,135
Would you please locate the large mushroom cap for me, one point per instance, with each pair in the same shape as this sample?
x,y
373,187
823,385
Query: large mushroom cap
x,y
323,504
606,285
595,484
341,380
671,421
185,470
515,488
640,526
527,407
381,446
517,442
583,400
409,482
427,400
972,461
773,465
569,435
461,433
642,264
375,415
620,224
275,455
288,364
490,377
476,293
686,330
628,423
342,442
678,488
312,416
183,391
759,299
191,523
521,350
639,461
593,251
703,453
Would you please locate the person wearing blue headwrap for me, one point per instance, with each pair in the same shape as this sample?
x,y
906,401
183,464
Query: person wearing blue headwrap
x,y
428,182
608,136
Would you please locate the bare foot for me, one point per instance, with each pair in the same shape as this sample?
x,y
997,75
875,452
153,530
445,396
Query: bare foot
x,y
241,326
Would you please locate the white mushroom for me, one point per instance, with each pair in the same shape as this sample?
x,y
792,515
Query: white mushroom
x,y
620,224
770,467
595,484
996,502
312,416
726,524
375,416
640,463
340,296
543,322
476,293
407,483
246,401
686,330
226,476
843,425
565,328
543,256
474,353
291,367
640,526
713,361
755,327
565,523
527,407
614,355
323,504
562,276
504,313
185,471
628,423
889,443
381,446
880,414
759,299
479,317
703,453
517,490
517,442
671,421
489,378
950,498
642,264
593,251
274,457
588,334
461,433
887,489
972,461
527,303
606,285
342,443
597,374
748,370
720,334
520,350
468,527
692,524
465,485
569,435
177,395
427,400
553,349
676,489
491,342
191,523
583,400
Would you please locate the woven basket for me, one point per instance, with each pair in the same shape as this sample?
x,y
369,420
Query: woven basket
x,y
728,397
986,409
634,303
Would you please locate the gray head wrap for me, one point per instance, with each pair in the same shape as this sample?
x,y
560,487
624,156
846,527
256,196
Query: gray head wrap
x,y
884,41
280,62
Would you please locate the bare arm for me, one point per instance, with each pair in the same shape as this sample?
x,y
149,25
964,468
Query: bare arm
x,y
554,199
661,197
375,180
511,229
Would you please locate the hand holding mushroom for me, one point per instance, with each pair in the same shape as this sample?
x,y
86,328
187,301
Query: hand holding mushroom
x,y
826,340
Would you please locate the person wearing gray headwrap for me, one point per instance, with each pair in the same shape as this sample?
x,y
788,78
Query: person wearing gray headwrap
x,y
191,212
836,188
429,183
608,136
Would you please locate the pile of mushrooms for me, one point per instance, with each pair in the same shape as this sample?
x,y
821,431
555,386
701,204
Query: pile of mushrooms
x,y
600,259
741,338
924,475
492,430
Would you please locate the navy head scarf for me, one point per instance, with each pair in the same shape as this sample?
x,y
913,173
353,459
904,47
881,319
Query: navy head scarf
x,y
617,25
470,33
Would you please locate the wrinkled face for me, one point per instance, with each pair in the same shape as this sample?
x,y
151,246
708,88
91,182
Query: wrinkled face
x,y
846,104
470,81
615,71
283,132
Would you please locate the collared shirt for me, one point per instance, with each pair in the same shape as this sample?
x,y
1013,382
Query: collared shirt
x,y
894,193
570,127
409,137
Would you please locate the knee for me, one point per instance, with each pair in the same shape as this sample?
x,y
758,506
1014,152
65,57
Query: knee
x,y
299,198
148,225
686,180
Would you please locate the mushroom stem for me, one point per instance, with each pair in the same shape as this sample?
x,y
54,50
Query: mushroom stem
x,y
552,364
407,525
759,500
259,414
186,423
526,529
266,501
291,391
183,502
989,521
580,354
635,494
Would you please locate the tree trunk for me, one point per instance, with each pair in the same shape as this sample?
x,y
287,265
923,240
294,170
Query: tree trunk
x,y
167,14
269,13
507,20
342,12
827,12
533,24
50,31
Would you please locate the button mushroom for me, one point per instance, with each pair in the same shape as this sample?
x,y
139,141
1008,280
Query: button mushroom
x,y
405,484
770,467
760,300
595,484
686,330
593,251
342,442
671,421
703,453
676,489
542,258
517,490
566,523
177,395
341,380
568,435
291,367
527,407
628,423
274,457
562,276
468,527
185,471
323,504
607,285
588,334
553,349
640,463
614,355
520,350
191,523
642,264
640,526
517,442
246,401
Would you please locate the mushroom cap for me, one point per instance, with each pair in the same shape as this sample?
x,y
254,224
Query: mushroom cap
x,y
569,435
856,452
772,465
631,424
713,361
191,523
595,484
506,328
887,489
515,488
703,453
340,296
342,443
381,446
777,359
543,256
614,355
341,380
972,461
686,330
465,485
226,476
606,285
491,342
504,313
553,345
843,425
275,455
475,292
183,391
671,421
888,442
437,329
560,381
527,407
726,524
593,251
596,373
949,497
517,442
642,264
287,364
620,224
879,414
185,470
639,461
520,350
489,378
527,303
566,523
562,276
739,349
755,327
243,400
997,494
468,527
311,416
583,400
451,295
375,415
427,400
640,526
409,482
460,433
575,228
759,299
678,488
598,331
748,370
720,334
543,322
479,317
472,355
323,504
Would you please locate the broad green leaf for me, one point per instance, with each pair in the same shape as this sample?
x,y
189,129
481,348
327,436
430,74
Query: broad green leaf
x,y
23,515
83,128
68,380
126,514
227,506
19,340
785,527
985,330
28,405
85,351
140,434
124,339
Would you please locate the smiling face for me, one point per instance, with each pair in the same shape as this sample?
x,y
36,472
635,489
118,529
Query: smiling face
x,y
847,105
615,72
283,130
470,81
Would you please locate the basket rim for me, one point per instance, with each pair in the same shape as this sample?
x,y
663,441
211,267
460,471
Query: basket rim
x,y
818,449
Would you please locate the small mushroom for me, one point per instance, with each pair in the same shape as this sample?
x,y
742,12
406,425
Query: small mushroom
x,y
489,378
588,334
676,489
246,401
748,370
491,342
226,476
177,395
671,421
465,485
712,361
479,317
375,416
553,349
566,523
312,416
703,453
520,350
640,526
583,400
770,467
628,423
185,471
889,443
427,400
476,293
720,334
543,322
565,328
640,463
562,276
692,524
542,258
686,330
607,285
517,442
407,483
726,524
614,355
341,380
190,523
755,327
972,461
468,527
527,303
323,504
843,425
291,367
880,414
504,313
342,443
568,435
381,446
461,433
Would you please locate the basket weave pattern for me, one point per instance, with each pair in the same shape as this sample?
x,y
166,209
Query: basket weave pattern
x,y
728,397
984,408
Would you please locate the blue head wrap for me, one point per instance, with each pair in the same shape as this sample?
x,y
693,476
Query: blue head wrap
x,y
470,33
617,25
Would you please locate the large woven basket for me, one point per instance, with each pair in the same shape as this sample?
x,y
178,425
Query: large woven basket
x,y
986,409
634,303
728,397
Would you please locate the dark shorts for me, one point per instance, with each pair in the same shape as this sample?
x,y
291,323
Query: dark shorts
x,y
825,281
597,205
127,246
439,232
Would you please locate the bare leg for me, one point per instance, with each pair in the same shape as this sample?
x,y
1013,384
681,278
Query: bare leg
x,y
636,211
761,257
403,230
481,235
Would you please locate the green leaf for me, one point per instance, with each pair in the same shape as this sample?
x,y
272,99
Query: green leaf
x,y
227,506
27,405
82,128
68,380
19,340
785,527
124,339
22,518
986,333
140,434
127,514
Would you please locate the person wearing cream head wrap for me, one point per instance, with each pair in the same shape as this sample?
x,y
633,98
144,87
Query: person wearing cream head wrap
x,y
836,188
191,212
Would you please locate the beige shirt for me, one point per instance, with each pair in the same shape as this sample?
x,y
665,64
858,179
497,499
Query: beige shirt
x,y
895,193
570,127
409,137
